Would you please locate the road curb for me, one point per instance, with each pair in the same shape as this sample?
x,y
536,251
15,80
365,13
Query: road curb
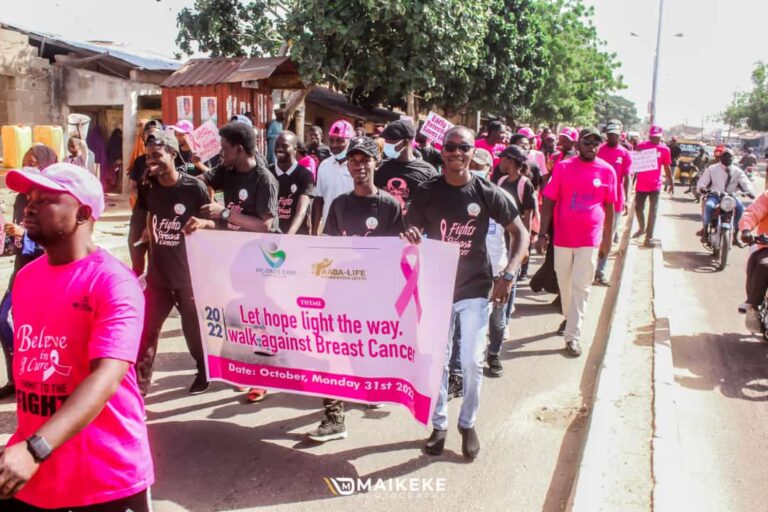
x,y
666,463
588,492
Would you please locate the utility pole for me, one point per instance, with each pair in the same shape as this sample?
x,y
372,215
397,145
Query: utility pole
x,y
656,64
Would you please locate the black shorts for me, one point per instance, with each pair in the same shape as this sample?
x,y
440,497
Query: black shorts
x,y
136,503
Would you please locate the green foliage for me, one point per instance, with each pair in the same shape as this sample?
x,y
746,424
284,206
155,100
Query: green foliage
x,y
579,70
617,107
751,108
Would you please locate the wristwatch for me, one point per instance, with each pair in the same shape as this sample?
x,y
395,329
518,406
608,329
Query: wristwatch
x,y
225,214
39,448
508,276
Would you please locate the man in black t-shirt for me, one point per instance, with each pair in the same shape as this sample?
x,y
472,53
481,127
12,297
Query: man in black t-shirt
x,y
296,185
137,178
456,207
170,197
366,211
315,147
250,193
428,153
403,172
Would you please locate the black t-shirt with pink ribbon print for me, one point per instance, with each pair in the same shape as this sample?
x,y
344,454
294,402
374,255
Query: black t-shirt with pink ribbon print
x,y
253,193
375,215
400,179
460,215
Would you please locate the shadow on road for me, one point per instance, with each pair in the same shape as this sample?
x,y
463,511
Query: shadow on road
x,y
689,261
738,366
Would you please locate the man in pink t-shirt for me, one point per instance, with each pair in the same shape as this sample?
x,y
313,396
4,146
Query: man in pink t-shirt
x,y
621,161
493,143
581,200
648,184
81,439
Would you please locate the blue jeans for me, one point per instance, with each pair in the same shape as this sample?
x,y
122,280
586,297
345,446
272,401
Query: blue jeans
x,y
472,315
603,262
709,209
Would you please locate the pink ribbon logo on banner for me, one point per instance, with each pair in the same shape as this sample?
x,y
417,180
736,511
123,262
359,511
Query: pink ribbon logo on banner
x,y
411,274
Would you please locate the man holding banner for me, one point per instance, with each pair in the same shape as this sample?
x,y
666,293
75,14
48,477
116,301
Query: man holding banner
x,y
366,211
456,207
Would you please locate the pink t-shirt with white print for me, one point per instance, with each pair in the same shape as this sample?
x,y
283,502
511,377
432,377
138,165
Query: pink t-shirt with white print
x,y
621,160
66,316
651,181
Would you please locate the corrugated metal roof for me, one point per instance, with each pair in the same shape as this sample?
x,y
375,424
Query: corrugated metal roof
x,y
203,72
338,103
141,59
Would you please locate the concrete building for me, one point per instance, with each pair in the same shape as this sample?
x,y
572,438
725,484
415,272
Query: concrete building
x,y
44,78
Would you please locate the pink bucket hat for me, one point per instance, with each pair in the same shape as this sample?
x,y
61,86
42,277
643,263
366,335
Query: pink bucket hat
x,y
61,177
656,131
183,126
341,129
527,132
570,133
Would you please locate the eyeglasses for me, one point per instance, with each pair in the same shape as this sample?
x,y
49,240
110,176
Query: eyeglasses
x,y
450,147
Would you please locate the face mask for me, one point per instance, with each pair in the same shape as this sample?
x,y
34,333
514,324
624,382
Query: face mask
x,y
479,174
341,156
390,151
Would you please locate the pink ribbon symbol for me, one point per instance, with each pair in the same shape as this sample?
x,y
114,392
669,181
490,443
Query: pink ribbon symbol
x,y
443,229
55,367
411,288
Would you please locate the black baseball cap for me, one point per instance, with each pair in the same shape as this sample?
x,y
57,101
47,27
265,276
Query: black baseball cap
x,y
515,153
365,145
588,132
399,130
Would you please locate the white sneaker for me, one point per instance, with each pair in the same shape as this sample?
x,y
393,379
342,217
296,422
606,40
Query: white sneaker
x,y
752,321
743,308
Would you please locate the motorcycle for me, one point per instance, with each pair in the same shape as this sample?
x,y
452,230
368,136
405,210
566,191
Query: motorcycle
x,y
719,233
763,308
693,180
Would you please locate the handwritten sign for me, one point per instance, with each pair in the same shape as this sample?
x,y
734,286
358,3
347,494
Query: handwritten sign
x,y
206,141
435,127
645,160
284,312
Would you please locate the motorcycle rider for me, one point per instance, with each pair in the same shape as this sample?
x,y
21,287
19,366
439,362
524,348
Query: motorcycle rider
x,y
748,160
723,177
755,217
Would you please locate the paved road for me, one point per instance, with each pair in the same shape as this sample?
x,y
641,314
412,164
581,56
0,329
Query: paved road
x,y
215,453
721,373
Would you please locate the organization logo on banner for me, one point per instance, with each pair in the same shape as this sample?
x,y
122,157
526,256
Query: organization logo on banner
x,y
324,269
275,258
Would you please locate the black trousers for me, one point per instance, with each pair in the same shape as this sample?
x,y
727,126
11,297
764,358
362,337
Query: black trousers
x,y
757,277
640,198
136,503
159,302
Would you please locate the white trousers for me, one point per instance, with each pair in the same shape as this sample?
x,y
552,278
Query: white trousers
x,y
575,268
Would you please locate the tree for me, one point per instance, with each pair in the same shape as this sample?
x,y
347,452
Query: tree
x,y
751,107
617,107
579,70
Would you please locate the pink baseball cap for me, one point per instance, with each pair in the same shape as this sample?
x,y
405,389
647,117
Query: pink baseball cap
x,y
61,177
570,133
656,131
529,134
341,129
183,126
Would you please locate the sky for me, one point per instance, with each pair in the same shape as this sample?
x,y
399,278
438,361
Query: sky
x,y
698,72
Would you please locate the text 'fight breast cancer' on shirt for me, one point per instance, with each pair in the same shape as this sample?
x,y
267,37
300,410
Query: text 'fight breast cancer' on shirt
x,y
400,179
621,160
169,210
253,193
651,181
375,215
65,317
580,190
461,215
297,181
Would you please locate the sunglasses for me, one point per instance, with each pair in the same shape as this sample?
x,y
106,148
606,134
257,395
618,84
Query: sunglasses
x,y
591,142
450,147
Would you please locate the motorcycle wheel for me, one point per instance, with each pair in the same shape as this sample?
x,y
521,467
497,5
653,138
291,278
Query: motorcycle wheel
x,y
725,247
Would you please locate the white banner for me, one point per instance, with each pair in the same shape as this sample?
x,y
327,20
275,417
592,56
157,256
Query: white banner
x,y
645,160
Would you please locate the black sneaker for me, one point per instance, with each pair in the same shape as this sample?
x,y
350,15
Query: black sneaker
x,y
7,390
200,385
436,442
601,281
494,366
328,430
455,386
561,328
470,443
573,348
